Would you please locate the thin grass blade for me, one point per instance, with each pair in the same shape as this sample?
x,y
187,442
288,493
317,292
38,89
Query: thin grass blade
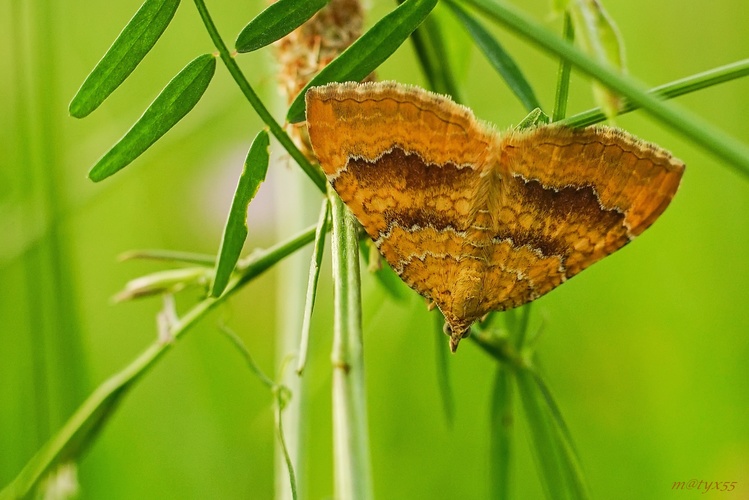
x,y
442,353
430,44
544,441
170,256
599,37
561,470
235,232
323,225
176,100
127,51
500,60
502,424
275,22
369,51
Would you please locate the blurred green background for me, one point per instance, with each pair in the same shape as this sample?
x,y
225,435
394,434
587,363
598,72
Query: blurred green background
x,y
646,352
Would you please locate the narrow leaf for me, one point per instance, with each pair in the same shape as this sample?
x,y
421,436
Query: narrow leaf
x,y
563,75
498,58
275,22
431,49
235,232
502,422
571,461
599,37
323,224
169,256
127,51
369,51
169,107
442,351
560,470
544,442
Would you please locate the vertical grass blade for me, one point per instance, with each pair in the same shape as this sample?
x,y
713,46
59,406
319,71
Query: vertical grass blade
x,y
430,45
442,353
502,423
498,58
314,274
170,106
369,51
561,473
235,231
127,51
275,22
563,75
543,439
599,37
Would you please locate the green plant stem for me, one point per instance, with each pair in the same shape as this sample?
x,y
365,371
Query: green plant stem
x,y
81,428
281,395
313,173
670,90
563,76
705,134
350,431
501,418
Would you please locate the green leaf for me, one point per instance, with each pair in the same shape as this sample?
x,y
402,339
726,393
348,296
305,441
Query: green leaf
x,y
430,44
599,37
127,51
323,225
275,22
502,422
235,232
170,256
369,51
442,351
563,75
169,107
560,471
545,450
498,58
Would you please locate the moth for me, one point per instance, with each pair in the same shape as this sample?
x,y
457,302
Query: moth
x,y
474,219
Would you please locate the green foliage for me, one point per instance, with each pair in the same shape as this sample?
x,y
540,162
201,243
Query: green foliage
x,y
127,51
275,22
509,349
235,232
171,105
498,57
